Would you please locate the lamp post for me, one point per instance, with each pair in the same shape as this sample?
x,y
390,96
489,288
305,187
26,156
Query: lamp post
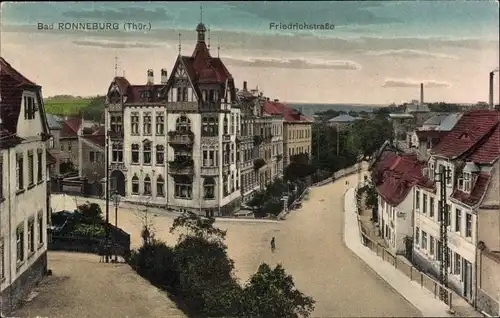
x,y
116,202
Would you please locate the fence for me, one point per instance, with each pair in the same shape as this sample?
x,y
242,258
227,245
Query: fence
x,y
342,173
403,266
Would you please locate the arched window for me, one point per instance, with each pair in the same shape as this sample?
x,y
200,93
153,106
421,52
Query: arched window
x,y
213,126
160,186
135,184
225,125
226,188
209,188
183,188
160,155
135,153
205,130
183,124
204,95
147,152
147,185
232,153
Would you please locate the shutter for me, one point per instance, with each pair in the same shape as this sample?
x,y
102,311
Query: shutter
x,y
25,100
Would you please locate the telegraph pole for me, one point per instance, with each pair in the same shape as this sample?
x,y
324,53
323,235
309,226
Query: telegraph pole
x,y
107,199
444,175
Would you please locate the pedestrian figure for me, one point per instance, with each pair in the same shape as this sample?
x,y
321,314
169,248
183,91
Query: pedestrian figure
x,y
273,245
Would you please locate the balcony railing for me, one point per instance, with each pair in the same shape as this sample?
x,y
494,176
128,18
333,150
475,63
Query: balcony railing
x,y
210,171
117,166
181,167
210,106
181,137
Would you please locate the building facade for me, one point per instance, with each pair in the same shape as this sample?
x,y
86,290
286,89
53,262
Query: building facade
x,y
469,150
92,155
297,129
23,190
174,144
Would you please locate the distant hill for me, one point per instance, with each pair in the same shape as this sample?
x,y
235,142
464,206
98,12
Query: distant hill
x,y
70,106
310,109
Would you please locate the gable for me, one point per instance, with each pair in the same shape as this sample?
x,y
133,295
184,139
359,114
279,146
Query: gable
x,y
180,73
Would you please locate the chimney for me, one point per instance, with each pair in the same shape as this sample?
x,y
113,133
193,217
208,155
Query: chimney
x,y
164,76
421,94
267,98
492,74
245,85
151,79
276,100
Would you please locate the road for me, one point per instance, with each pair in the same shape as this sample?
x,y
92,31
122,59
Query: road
x,y
311,248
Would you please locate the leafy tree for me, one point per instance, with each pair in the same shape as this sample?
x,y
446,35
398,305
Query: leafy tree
x,y
299,167
95,109
272,293
91,212
367,136
196,226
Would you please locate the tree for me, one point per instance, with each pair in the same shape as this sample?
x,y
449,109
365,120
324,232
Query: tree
x,y
197,226
95,109
272,293
90,211
299,167
367,135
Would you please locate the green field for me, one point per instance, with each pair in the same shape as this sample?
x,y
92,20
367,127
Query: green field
x,y
68,107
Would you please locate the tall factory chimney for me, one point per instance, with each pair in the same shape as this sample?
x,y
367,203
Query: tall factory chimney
x,y
421,94
492,74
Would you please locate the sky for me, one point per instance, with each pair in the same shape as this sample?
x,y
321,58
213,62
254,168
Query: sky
x,y
377,52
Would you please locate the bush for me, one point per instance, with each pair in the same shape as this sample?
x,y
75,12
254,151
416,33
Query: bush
x,y
89,230
91,212
199,270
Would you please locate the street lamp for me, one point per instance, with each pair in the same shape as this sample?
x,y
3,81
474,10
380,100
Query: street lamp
x,y
116,202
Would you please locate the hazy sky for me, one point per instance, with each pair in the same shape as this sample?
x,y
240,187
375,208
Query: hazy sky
x,y
377,53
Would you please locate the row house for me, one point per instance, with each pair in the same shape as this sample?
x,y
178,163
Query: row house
x,y
174,144
470,150
297,130
24,199
92,155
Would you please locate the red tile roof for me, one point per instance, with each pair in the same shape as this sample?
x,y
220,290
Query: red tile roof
x,y
12,85
479,189
100,131
70,127
488,151
473,130
394,176
289,114
99,140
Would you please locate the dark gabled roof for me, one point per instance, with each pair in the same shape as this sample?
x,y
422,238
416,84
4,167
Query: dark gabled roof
x,y
12,85
475,130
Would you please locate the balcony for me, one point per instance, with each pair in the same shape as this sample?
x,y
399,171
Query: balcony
x,y
210,106
185,138
181,167
210,171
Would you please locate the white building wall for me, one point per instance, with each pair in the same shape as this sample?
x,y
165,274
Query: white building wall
x,y
399,222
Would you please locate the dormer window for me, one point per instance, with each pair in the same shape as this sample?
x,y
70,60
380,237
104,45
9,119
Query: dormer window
x,y
431,171
29,107
467,181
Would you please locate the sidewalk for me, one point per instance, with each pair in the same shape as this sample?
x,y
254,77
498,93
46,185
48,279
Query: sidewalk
x,y
419,297
66,202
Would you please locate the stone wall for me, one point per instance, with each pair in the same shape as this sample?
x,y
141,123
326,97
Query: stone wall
x,y
12,297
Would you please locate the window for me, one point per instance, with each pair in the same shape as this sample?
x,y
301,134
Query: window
x,y
458,220
147,185
225,184
29,107
147,152
135,153
431,207
31,236
31,177
134,120
424,241
431,246
92,156
417,200
185,94
160,124
209,188
225,125
69,146
147,124
20,242
448,214
160,184
135,184
183,124
40,165
160,155
117,152
19,172
2,261
468,225
183,188
439,250
457,262
1,179
116,123
467,182
424,203
179,94
40,227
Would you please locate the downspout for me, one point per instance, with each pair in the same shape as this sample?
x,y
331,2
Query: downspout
x,y
477,259
10,227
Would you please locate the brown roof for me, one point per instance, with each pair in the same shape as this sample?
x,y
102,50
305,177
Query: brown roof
x,y
70,127
99,140
394,176
479,188
12,84
289,114
476,129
